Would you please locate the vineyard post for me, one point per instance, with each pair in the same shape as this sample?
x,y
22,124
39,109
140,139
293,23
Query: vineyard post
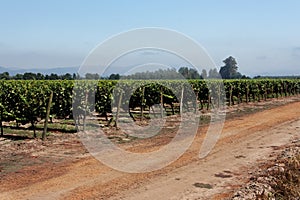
x,y
287,90
142,104
161,102
47,116
85,109
282,89
259,93
118,109
172,107
239,94
208,100
230,95
34,128
247,93
196,101
266,92
1,121
219,94
181,101
154,114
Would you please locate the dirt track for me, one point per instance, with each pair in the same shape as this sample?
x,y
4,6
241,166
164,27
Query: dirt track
x,y
243,143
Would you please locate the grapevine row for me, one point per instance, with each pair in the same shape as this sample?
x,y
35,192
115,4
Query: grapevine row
x,y
26,101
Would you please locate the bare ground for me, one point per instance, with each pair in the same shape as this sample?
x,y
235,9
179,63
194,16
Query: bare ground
x,y
60,168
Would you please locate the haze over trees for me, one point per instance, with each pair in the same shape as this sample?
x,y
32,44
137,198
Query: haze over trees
x,y
213,73
228,71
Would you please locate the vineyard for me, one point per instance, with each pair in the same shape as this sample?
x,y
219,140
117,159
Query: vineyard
x,y
27,101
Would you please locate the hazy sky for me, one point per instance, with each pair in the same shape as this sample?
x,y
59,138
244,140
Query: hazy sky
x,y
264,36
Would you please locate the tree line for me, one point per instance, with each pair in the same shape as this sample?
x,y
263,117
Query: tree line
x,y
37,76
228,71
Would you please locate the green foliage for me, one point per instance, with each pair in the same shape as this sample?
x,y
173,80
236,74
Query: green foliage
x,y
189,73
26,100
229,71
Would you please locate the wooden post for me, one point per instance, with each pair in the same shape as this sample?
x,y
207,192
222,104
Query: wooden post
x,y
196,108
219,94
161,102
181,101
1,122
154,114
142,104
266,94
85,109
208,101
247,94
33,127
47,116
1,118
118,109
230,96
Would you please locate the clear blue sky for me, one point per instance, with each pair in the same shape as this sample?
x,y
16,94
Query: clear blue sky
x,y
264,36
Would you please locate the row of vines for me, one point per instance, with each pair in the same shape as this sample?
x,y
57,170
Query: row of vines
x,y
26,101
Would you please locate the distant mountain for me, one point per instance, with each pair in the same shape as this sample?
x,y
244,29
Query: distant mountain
x,y
56,70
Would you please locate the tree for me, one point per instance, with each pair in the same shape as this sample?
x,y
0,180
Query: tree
x,y
189,73
229,71
29,76
4,76
213,73
53,76
18,77
114,77
184,71
40,76
204,74
91,76
76,76
193,74
66,76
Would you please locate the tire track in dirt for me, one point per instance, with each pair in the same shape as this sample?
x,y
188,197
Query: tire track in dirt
x,y
243,141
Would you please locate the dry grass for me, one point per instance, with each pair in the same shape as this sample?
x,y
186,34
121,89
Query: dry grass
x,y
278,179
287,182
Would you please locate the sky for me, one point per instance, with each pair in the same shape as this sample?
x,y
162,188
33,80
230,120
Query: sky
x,y
263,36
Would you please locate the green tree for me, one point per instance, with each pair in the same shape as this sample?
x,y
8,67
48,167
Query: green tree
x,y
66,76
184,71
53,76
213,73
4,76
229,71
193,74
75,76
29,76
189,73
40,76
91,76
18,77
114,77
204,74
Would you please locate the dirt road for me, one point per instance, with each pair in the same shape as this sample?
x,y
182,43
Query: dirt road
x,y
244,142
